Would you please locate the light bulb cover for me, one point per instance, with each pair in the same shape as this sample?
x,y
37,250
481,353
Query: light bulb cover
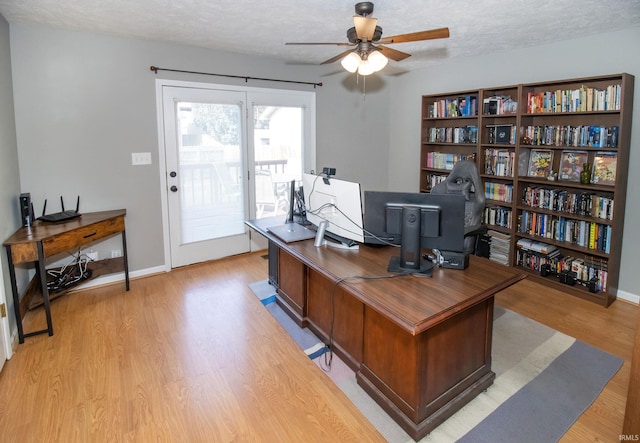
x,y
377,60
365,68
351,62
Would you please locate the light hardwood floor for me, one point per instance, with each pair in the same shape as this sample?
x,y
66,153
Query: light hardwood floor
x,y
192,356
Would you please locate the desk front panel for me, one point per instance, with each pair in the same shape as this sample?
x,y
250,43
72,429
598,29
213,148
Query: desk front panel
x,y
421,380
334,313
422,374
292,285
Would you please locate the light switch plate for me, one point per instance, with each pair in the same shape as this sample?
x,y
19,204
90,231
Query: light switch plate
x,y
140,158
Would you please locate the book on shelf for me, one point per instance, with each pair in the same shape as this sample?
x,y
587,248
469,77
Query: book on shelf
x,y
589,235
497,216
498,191
604,168
583,99
434,179
572,135
585,203
601,207
499,104
464,106
446,160
502,134
499,162
571,165
499,247
540,163
465,134
536,246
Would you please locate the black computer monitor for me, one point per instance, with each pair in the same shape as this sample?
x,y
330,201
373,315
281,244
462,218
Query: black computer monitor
x,y
414,221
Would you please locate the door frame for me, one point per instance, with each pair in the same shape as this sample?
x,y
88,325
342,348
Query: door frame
x,y
309,155
5,330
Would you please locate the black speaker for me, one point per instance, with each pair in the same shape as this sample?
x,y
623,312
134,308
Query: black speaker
x,y
454,260
26,210
545,270
568,277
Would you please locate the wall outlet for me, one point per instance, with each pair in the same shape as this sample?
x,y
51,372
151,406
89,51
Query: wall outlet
x,y
116,253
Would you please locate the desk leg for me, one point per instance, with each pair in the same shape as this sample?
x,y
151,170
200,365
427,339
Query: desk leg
x,y
16,296
45,290
126,261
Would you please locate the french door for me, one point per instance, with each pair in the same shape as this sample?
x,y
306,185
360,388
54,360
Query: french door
x,y
229,155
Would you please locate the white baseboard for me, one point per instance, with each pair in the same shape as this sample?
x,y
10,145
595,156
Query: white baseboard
x,y
119,276
628,296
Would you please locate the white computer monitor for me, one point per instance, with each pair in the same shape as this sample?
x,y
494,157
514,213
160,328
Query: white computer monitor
x,y
339,202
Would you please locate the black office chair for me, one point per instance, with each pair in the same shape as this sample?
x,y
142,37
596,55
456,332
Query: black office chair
x,y
464,179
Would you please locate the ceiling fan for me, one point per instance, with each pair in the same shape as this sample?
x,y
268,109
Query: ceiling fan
x,y
369,55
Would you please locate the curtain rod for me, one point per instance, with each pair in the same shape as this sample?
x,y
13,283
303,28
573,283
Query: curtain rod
x,y
246,78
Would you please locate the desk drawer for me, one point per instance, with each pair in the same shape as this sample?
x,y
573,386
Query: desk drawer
x,y
82,236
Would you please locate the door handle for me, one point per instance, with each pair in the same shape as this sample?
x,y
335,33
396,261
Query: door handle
x,y
174,188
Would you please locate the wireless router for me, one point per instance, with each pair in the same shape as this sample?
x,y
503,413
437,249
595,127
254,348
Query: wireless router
x,y
60,216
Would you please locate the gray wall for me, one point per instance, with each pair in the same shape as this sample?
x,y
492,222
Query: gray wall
x,y
608,53
84,102
9,176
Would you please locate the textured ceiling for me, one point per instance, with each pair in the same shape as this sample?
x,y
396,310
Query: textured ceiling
x,y
262,27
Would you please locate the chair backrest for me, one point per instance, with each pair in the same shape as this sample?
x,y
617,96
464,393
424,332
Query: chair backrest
x,y
264,187
464,179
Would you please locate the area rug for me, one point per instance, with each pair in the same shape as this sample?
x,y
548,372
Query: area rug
x,y
544,381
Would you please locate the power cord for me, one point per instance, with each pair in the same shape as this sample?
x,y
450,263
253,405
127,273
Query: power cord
x,y
328,347
70,274
318,213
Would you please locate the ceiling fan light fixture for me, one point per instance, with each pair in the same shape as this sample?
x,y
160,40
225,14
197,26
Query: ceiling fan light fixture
x,y
351,62
366,36
365,68
377,60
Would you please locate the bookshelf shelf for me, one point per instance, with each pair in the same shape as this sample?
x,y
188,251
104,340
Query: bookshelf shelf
x,y
566,122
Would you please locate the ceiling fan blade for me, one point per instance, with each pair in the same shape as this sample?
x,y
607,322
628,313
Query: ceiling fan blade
x,y
320,43
417,36
393,54
336,58
365,27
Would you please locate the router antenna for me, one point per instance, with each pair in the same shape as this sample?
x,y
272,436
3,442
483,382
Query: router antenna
x,y
62,203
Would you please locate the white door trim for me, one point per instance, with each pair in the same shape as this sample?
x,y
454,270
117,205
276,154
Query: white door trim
x,y
5,331
309,153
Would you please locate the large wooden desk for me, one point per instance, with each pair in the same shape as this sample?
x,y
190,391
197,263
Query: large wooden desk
x,y
420,346
42,240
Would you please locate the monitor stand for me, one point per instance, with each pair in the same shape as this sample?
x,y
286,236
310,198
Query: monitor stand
x,y
425,267
333,240
409,261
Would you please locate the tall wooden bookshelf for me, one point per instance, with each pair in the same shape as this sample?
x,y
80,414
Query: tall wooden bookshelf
x,y
530,142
